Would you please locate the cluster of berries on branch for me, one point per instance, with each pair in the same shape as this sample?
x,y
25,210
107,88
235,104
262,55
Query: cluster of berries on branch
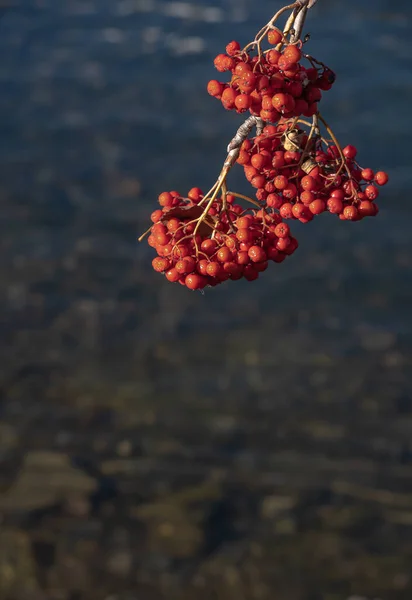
x,y
301,174
230,242
271,84
294,164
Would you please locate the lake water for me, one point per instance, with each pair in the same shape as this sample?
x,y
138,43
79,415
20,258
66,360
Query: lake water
x,y
292,395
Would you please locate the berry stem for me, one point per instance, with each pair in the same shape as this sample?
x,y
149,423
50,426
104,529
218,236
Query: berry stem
x,y
139,239
300,19
270,25
246,198
336,142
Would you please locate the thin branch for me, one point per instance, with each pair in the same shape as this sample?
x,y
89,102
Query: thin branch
x,y
300,19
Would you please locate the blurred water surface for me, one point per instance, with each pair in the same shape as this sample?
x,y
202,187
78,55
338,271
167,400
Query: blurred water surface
x,y
280,411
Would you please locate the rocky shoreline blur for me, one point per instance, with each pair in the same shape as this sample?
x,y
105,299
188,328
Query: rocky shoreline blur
x,y
254,442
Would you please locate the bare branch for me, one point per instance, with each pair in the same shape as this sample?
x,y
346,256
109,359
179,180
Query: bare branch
x,y
300,18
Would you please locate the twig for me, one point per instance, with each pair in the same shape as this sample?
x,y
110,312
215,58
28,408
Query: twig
x,y
300,19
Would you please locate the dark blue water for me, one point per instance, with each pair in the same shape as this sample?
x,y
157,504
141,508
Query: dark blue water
x,y
103,106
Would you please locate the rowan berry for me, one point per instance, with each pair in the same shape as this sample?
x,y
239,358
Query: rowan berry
x,y
350,213
371,192
281,182
250,273
195,281
224,254
283,103
214,269
334,205
367,174
282,230
243,102
256,254
228,98
349,152
317,207
274,37
160,264
286,211
215,88
232,48
172,275
292,53
381,178
366,208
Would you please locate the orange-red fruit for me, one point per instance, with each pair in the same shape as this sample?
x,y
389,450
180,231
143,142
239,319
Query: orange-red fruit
x,y
156,215
381,178
243,102
224,254
275,36
172,275
195,194
208,246
257,254
213,269
250,273
283,103
350,213
215,88
160,264
165,199
334,205
367,208
282,230
195,281
292,53
232,48
228,98
317,207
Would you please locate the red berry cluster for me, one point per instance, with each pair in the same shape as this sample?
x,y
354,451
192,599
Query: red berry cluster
x,y
230,243
302,177
297,171
271,84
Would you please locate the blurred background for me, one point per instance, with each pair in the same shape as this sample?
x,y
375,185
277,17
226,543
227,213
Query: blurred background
x,y
254,441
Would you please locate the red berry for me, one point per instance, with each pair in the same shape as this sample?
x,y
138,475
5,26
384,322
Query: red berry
x,y
286,211
213,269
367,208
243,102
281,182
371,192
349,152
195,194
256,254
381,178
195,281
282,230
215,88
224,254
172,275
350,213
367,174
250,273
308,183
317,207
208,246
275,37
292,53
334,205
232,48
228,98
160,264
156,216
283,103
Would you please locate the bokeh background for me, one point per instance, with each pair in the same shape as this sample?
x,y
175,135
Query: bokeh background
x,y
254,441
